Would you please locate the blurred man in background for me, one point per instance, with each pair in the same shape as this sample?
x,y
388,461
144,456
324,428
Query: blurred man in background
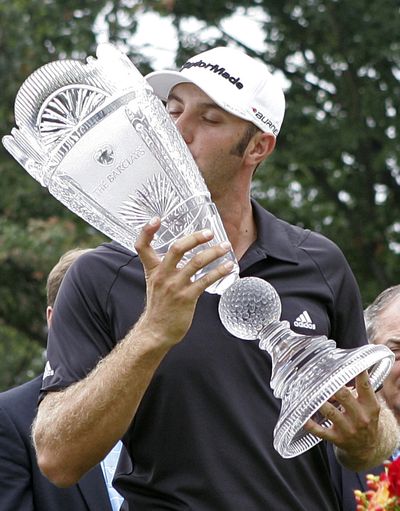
x,y
22,486
382,320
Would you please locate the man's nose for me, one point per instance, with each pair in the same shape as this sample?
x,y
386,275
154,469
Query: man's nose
x,y
185,127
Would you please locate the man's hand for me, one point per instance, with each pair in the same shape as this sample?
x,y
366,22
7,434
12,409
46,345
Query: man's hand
x,y
363,429
171,294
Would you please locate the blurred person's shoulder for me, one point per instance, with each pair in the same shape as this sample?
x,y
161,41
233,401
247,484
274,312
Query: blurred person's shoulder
x,y
110,256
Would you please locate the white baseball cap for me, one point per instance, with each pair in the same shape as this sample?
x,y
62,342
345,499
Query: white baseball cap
x,y
239,84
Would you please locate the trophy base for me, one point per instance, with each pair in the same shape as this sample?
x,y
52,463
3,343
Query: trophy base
x,y
316,383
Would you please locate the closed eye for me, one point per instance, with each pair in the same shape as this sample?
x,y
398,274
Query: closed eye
x,y
210,120
174,108
174,113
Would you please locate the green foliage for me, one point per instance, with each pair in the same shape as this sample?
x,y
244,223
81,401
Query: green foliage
x,y
21,357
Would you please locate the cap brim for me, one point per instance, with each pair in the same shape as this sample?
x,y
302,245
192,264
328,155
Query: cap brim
x,y
163,81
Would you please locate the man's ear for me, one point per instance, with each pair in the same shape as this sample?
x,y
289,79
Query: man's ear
x,y
260,147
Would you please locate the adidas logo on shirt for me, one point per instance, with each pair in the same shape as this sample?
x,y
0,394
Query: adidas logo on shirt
x,y
304,321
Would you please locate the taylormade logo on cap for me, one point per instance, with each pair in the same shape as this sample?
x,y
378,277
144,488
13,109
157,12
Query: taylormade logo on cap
x,y
236,82
216,69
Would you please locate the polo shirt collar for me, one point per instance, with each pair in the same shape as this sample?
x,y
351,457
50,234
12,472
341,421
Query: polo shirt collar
x,y
273,235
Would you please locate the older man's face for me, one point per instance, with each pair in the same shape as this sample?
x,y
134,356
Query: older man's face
x,y
388,333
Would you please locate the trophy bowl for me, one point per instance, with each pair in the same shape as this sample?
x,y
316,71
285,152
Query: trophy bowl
x,y
103,144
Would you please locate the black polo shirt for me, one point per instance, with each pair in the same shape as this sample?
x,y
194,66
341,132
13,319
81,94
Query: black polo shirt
x,y
202,437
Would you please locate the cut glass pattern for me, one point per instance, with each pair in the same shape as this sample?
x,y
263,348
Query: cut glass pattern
x,y
156,197
65,109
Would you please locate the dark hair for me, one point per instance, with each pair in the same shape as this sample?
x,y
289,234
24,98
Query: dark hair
x,y
240,147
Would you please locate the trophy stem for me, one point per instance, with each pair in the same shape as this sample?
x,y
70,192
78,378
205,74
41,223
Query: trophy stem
x,y
290,352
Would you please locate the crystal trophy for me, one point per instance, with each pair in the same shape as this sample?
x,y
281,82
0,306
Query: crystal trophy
x,y
306,371
103,144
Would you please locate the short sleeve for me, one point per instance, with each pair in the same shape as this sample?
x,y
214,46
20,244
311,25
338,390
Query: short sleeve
x,y
80,334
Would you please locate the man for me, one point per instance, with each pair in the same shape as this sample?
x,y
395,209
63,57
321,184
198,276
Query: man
x,y
22,486
193,403
383,327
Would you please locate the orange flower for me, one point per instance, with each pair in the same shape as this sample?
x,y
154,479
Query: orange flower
x,y
383,491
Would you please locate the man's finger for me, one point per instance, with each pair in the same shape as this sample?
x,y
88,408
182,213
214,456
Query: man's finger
x,y
320,431
143,246
212,276
364,387
204,257
325,432
178,249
